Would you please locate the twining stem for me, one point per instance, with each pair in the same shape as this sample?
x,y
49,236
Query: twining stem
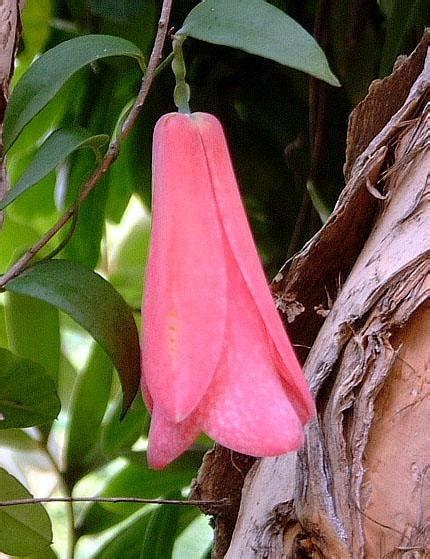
x,y
110,155
36,500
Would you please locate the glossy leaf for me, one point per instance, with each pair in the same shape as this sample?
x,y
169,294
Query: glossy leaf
x,y
89,400
56,148
259,28
27,393
24,529
94,304
50,72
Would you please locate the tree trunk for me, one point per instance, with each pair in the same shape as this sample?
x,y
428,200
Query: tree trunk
x,y
358,295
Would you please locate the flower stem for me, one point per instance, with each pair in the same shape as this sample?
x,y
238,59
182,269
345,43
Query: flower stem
x,y
181,95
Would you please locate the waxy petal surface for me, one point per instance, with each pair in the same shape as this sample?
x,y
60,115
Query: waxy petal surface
x,y
168,440
247,408
239,236
185,289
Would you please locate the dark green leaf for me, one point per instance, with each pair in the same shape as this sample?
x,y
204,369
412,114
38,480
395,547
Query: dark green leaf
x,y
24,529
33,330
94,304
95,518
161,531
51,71
27,394
402,17
3,333
89,400
259,28
118,10
58,146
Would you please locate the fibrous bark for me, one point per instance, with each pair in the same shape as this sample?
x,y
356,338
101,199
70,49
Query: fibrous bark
x,y
10,33
358,293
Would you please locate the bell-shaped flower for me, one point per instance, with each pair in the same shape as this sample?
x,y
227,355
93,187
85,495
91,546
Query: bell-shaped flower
x,y
215,358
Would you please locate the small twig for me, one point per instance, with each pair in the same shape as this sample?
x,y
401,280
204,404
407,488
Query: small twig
x,y
37,500
65,490
110,155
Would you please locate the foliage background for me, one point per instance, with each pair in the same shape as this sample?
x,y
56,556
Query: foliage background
x,y
287,136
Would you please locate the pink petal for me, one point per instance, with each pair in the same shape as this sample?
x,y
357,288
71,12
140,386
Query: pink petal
x,y
239,236
185,292
168,440
247,408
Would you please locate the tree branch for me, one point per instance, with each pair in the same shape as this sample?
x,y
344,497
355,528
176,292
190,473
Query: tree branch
x,y
110,155
37,500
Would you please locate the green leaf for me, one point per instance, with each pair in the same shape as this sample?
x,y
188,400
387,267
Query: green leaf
x,y
140,481
27,394
89,400
36,21
127,541
17,439
118,10
51,71
15,238
117,435
402,18
24,529
161,531
95,518
4,342
195,539
94,304
128,259
259,28
56,148
33,331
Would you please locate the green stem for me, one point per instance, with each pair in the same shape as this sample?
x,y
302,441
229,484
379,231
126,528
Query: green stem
x,y
181,94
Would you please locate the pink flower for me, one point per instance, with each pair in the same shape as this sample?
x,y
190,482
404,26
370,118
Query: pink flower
x,y
215,358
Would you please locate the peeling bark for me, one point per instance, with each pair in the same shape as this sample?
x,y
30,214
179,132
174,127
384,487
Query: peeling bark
x,y
10,34
358,294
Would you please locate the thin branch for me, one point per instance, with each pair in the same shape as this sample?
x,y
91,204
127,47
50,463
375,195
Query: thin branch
x,y
112,152
69,505
37,500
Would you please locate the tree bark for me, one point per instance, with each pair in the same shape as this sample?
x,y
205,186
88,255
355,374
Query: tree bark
x,y
10,33
358,295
